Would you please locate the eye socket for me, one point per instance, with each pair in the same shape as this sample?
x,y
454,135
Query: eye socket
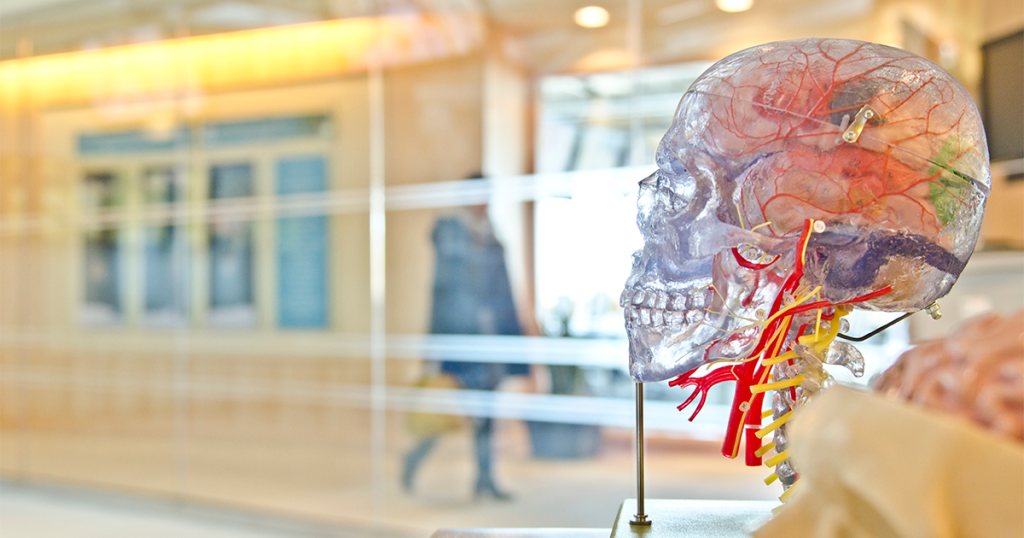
x,y
676,193
662,193
678,204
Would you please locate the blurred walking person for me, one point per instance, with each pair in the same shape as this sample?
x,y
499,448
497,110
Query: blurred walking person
x,y
471,295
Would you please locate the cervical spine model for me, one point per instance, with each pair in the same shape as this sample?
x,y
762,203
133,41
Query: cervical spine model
x,y
799,180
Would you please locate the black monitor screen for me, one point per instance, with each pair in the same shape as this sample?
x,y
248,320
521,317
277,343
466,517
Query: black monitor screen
x,y
1003,96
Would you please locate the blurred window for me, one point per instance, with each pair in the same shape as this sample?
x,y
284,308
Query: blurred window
x,y
103,251
231,181
165,252
596,122
606,120
264,130
231,251
256,165
132,142
102,190
301,247
583,247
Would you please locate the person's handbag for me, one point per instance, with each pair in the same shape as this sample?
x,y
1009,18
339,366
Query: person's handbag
x,y
422,424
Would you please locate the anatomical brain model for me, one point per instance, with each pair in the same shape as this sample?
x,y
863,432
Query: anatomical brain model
x,y
976,373
799,180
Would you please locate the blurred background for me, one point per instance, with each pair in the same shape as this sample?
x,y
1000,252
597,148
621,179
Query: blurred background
x,y
219,236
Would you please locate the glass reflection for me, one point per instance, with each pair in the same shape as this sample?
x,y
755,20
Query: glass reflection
x,y
231,251
207,167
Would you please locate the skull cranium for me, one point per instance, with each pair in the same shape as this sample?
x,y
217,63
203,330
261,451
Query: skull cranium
x,y
882,150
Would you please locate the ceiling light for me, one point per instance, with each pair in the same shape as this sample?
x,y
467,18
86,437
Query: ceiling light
x,y
732,6
591,17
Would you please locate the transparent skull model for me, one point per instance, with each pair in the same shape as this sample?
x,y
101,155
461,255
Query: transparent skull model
x,y
798,180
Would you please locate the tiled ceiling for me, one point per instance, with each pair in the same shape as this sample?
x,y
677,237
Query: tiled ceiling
x,y
539,33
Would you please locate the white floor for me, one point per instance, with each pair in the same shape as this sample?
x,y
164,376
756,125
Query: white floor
x,y
547,493
30,511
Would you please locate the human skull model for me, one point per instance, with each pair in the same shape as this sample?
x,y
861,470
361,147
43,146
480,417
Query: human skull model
x,y
799,179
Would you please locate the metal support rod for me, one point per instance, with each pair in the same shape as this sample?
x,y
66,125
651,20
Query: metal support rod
x,y
876,331
640,518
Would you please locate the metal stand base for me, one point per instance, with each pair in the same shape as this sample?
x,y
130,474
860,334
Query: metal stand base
x,y
640,517
693,519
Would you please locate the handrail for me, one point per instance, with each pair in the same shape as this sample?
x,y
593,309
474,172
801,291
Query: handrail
x,y
334,202
661,416
593,352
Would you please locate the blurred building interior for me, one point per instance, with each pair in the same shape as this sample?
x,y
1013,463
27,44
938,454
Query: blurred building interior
x,y
216,256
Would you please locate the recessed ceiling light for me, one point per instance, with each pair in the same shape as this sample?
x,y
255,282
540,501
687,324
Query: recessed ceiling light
x,y
591,16
733,6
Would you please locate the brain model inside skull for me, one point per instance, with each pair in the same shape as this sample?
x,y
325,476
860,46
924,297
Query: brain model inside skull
x,y
799,180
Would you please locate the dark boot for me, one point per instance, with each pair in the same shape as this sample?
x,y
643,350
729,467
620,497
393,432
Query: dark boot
x,y
485,486
412,461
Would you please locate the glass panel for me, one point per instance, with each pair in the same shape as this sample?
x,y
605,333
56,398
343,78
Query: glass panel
x,y
132,142
164,252
594,121
103,252
162,186
231,252
164,278
301,249
252,131
102,190
297,171
296,175
102,265
583,250
231,181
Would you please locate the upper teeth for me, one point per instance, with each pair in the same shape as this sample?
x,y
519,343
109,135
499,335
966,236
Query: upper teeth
x,y
657,308
666,301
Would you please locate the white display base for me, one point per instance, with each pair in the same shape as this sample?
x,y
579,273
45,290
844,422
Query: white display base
x,y
669,519
693,519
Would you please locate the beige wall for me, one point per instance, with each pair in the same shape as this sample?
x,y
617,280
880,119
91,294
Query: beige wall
x,y
433,121
1003,226
1001,17
263,406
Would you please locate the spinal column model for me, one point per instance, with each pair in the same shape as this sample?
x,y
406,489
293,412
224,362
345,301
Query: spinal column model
x,y
799,180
